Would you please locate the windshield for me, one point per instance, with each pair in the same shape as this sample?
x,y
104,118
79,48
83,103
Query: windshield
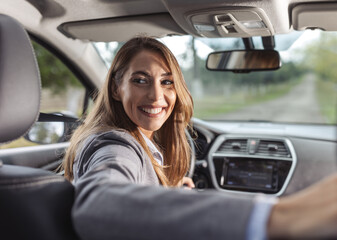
x,y
303,90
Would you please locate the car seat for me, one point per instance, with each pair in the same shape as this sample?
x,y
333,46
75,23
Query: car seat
x,y
34,203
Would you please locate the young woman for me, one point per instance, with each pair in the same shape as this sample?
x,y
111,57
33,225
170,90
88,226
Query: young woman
x,y
133,143
145,96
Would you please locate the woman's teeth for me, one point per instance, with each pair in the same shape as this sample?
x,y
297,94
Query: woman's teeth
x,y
152,110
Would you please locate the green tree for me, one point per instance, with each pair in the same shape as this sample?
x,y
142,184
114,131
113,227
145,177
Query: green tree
x,y
54,74
321,56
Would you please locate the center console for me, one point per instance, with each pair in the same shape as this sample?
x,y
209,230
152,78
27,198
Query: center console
x,y
251,164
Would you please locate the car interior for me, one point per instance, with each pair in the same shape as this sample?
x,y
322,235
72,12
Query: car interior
x,y
228,155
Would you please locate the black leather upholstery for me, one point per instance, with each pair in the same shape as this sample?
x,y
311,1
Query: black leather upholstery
x,y
34,204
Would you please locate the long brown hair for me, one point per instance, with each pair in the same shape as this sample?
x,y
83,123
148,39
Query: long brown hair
x,y
109,114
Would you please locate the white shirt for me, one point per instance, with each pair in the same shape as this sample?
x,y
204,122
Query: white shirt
x,y
154,150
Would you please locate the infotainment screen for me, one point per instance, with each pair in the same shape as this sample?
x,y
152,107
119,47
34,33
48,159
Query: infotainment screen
x,y
250,174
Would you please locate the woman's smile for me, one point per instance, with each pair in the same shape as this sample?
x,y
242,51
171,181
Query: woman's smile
x,y
152,111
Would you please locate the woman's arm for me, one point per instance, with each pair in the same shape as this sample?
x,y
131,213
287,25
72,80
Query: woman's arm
x,y
106,209
113,201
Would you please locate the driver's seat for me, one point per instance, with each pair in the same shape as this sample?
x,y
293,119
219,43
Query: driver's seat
x,y
34,204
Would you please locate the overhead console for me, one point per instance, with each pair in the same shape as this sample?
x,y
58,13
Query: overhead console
x,y
238,22
251,164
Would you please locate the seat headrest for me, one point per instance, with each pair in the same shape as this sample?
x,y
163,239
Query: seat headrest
x,y
19,81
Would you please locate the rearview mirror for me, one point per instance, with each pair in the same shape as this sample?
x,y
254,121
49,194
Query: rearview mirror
x,y
244,60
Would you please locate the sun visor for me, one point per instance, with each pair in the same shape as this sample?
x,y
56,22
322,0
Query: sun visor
x,y
238,22
315,16
122,28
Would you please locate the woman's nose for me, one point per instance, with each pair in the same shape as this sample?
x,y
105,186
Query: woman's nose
x,y
156,92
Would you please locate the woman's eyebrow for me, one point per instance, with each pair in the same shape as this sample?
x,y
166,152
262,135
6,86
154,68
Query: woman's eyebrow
x,y
148,75
141,73
167,74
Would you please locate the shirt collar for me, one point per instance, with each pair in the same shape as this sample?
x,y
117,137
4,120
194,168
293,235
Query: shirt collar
x,y
153,149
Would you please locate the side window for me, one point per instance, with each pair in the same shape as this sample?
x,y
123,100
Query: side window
x,y
62,92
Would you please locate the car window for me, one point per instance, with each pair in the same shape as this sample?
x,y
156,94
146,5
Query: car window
x,y
62,92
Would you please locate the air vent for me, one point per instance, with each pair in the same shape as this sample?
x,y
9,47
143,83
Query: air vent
x,y
273,148
234,146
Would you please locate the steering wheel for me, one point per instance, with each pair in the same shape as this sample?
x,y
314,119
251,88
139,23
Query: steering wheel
x,y
190,171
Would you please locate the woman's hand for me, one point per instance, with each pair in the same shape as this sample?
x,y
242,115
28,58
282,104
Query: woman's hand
x,y
311,213
186,183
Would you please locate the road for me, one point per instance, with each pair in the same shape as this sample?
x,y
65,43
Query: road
x,y
298,105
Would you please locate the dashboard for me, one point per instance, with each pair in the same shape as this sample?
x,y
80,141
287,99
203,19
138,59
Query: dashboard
x,y
235,157
254,157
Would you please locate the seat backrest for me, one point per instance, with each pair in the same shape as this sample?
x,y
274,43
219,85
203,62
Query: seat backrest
x,y
34,204
19,81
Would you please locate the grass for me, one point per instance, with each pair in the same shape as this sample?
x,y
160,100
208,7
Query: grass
x,y
210,106
327,98
21,142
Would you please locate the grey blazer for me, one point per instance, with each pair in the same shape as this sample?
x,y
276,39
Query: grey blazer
x,y
118,196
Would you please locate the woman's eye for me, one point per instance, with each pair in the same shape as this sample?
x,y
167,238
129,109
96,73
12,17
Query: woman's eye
x,y
139,80
167,82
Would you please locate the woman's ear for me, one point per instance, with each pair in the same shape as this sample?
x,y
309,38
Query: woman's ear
x,y
115,93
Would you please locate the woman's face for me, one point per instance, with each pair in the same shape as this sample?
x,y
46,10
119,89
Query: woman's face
x,y
147,92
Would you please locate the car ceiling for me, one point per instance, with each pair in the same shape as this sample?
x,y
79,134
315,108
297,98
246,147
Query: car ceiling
x,y
58,12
